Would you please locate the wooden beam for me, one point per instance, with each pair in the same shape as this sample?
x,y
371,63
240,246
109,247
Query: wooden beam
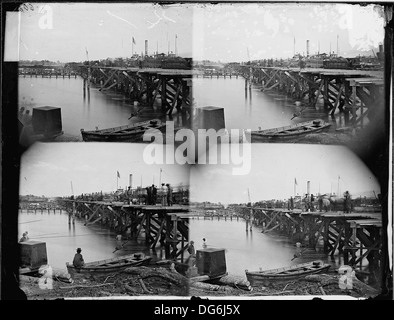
x,y
108,80
162,224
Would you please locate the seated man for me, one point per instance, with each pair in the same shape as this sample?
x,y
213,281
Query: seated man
x,y
78,259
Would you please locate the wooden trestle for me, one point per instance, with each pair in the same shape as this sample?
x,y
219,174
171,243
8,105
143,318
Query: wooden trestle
x,y
172,86
357,93
45,71
356,235
164,226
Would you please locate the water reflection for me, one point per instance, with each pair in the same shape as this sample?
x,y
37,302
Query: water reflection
x,y
251,249
62,238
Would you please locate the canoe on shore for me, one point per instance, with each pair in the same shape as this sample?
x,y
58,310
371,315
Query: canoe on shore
x,y
264,277
125,133
111,265
301,128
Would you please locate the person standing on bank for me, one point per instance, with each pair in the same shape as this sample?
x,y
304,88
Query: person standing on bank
x,y
78,261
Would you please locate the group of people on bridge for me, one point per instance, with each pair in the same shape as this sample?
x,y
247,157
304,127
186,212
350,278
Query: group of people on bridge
x,y
311,203
165,192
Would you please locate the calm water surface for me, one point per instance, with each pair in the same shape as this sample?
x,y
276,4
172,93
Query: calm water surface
x,y
79,110
62,239
244,250
249,109
249,249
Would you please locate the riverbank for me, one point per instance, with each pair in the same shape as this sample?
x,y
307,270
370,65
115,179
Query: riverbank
x,y
155,281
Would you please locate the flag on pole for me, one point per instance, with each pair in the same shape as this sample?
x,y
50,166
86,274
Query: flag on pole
x,y
295,181
133,40
118,174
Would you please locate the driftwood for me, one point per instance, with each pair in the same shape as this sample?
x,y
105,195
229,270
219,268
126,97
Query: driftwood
x,y
130,289
199,278
324,279
357,285
146,272
205,286
322,290
143,285
235,281
81,286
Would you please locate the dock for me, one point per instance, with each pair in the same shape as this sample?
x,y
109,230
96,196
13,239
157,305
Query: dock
x,y
357,93
166,226
355,235
45,71
172,86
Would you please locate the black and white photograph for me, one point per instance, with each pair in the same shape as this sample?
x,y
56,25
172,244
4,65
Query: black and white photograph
x,y
101,224
291,226
193,150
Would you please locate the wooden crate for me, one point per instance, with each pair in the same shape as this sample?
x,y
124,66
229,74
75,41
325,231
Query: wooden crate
x,y
47,120
211,262
33,254
210,118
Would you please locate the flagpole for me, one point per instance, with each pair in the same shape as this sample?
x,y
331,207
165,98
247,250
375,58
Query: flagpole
x,y
294,188
176,49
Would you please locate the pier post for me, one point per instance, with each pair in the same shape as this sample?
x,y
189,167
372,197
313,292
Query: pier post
x,y
147,226
325,92
354,107
163,93
174,241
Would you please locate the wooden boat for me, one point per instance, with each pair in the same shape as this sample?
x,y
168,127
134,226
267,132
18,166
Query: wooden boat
x,y
129,132
111,265
293,130
265,277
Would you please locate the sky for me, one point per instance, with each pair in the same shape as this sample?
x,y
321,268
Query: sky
x,y
57,169
274,169
221,32
60,169
104,30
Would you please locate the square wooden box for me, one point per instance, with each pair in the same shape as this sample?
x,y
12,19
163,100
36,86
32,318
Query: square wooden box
x,y
211,262
47,120
33,254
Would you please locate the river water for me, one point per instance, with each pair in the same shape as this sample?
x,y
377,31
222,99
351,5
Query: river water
x,y
250,250
248,109
62,239
244,249
80,110
251,109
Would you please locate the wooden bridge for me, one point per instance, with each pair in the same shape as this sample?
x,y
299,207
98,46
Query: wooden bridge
x,y
46,71
356,235
172,86
159,225
358,93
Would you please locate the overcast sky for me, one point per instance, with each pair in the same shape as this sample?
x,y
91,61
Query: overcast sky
x,y
274,168
49,169
225,32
